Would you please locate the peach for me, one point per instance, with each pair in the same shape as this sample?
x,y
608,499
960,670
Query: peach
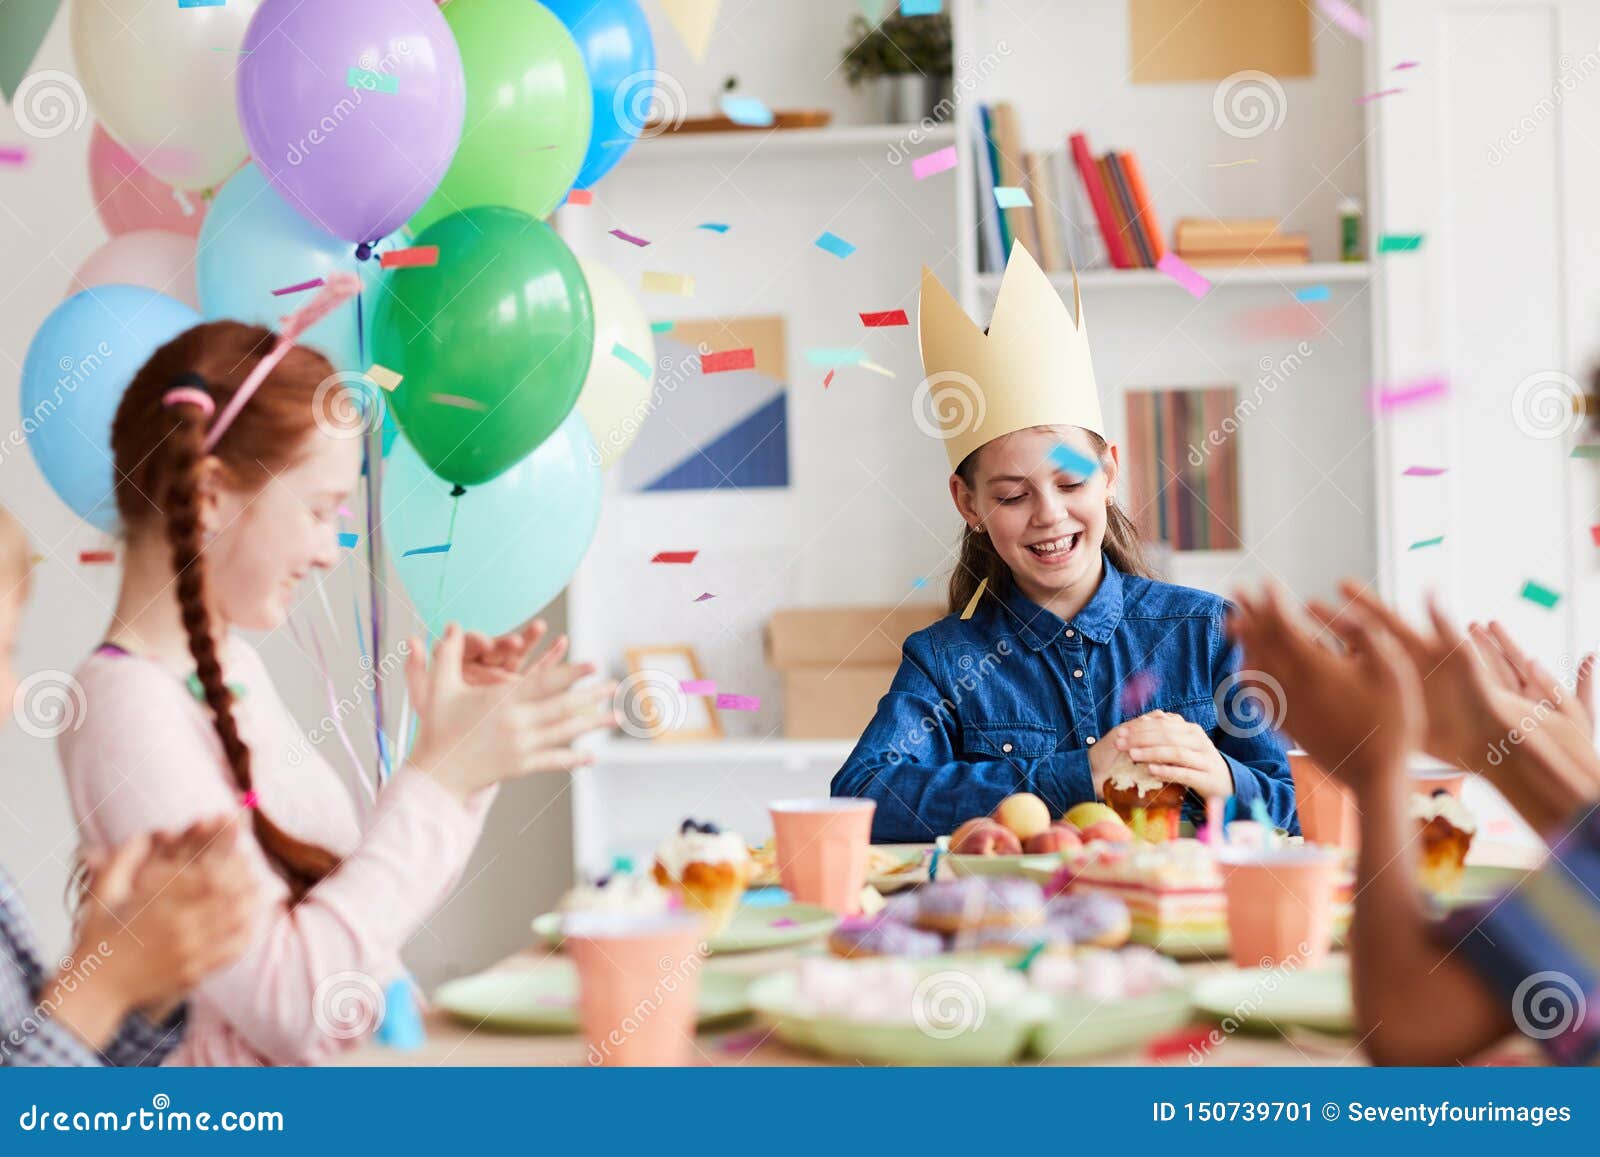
x,y
1112,833
984,837
1024,813
1056,838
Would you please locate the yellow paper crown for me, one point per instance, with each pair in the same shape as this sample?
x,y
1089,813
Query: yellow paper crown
x,y
1031,369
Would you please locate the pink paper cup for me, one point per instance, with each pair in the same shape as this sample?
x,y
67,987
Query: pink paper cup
x,y
1280,906
822,849
638,985
1327,808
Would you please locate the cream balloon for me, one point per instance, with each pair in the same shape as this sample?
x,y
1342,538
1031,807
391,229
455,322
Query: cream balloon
x,y
161,79
152,258
615,399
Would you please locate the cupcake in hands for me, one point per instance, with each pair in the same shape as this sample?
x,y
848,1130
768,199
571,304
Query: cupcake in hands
x,y
1150,806
709,868
1444,832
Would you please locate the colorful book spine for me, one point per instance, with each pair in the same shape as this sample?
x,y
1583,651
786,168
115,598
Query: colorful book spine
x,y
1127,211
993,155
1008,142
1043,196
1143,209
1094,186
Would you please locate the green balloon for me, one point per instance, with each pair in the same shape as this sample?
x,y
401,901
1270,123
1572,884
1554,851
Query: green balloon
x,y
492,343
529,110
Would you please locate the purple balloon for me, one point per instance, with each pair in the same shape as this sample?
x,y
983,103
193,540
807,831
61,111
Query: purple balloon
x,y
352,108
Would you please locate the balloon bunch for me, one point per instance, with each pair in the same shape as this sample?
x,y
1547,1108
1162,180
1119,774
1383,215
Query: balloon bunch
x,y
247,151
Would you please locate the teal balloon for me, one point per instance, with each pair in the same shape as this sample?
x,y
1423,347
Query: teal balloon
x,y
254,241
492,344
78,367
517,539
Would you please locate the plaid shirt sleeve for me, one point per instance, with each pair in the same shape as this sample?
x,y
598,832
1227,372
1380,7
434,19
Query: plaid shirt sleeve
x,y
28,1038
139,1043
1538,946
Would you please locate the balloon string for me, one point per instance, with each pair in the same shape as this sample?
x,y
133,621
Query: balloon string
x,y
333,702
449,537
372,455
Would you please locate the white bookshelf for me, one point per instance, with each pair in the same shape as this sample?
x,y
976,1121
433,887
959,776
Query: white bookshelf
x,y
682,147
1247,277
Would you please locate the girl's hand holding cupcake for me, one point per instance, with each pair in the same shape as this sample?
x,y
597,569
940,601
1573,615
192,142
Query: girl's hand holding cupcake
x,y
1172,749
473,735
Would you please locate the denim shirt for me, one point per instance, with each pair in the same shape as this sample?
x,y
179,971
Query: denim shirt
x,y
1012,699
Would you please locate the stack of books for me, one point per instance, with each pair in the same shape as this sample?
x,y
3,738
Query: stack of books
x,y
1239,241
1184,467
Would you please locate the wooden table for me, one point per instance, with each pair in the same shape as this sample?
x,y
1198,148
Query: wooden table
x,y
748,1042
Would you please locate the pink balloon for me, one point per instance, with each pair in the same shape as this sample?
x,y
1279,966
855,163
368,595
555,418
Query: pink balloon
x,y
149,258
129,198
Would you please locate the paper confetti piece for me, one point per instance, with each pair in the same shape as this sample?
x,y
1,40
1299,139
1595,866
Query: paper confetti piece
x,y
372,81
348,539
1185,1042
834,244
675,556
1594,533
459,402
714,226
1587,450
1346,17
1068,459
623,354
821,356
416,257
661,326
827,381
580,196
384,377
782,921
722,361
1421,390
314,283
921,7
1426,542
1011,197
344,512
918,583
877,369
746,110
888,317
442,548
629,238
1423,471
1372,96
1544,596
1233,164
1405,64
201,3
705,596
739,702
13,155
1399,242
939,161
1313,293
92,557
743,1042
1138,691
698,686
1184,274
972,603
681,284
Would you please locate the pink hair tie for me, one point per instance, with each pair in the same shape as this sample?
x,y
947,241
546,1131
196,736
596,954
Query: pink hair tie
x,y
338,288
249,800
190,396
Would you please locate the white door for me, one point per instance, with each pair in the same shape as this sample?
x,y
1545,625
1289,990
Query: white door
x,y
1492,154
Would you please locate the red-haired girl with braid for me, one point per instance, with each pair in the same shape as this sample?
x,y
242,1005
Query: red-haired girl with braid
x,y
228,486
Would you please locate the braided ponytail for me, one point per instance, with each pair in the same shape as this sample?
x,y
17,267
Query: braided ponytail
x,y
159,458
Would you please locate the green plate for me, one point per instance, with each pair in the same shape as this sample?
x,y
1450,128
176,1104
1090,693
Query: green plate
x,y
997,1040
1270,1000
1080,1026
545,999
753,928
1481,883
1030,866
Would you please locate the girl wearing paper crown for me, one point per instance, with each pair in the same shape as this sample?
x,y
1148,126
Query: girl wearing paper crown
x,y
1063,669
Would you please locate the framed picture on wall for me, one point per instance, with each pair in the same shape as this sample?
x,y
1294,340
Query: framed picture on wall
x,y
653,702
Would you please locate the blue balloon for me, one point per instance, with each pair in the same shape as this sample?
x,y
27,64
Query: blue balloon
x,y
77,369
518,538
620,54
254,241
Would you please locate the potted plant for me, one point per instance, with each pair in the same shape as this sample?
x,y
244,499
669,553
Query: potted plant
x,y
908,58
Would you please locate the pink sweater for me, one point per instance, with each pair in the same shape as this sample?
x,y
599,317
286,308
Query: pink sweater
x,y
147,757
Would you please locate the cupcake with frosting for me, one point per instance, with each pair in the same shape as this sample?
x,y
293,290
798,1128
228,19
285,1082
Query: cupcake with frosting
x,y
1444,831
1151,807
620,893
708,867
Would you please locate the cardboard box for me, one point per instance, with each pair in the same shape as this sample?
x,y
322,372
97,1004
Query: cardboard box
x,y
837,662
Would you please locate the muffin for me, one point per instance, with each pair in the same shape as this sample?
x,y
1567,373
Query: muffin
x,y
1150,806
709,868
625,893
1444,831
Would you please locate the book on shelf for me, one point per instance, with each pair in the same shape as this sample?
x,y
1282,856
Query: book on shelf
x,y
1183,468
991,241
1046,212
1089,174
1257,240
1007,136
1116,177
